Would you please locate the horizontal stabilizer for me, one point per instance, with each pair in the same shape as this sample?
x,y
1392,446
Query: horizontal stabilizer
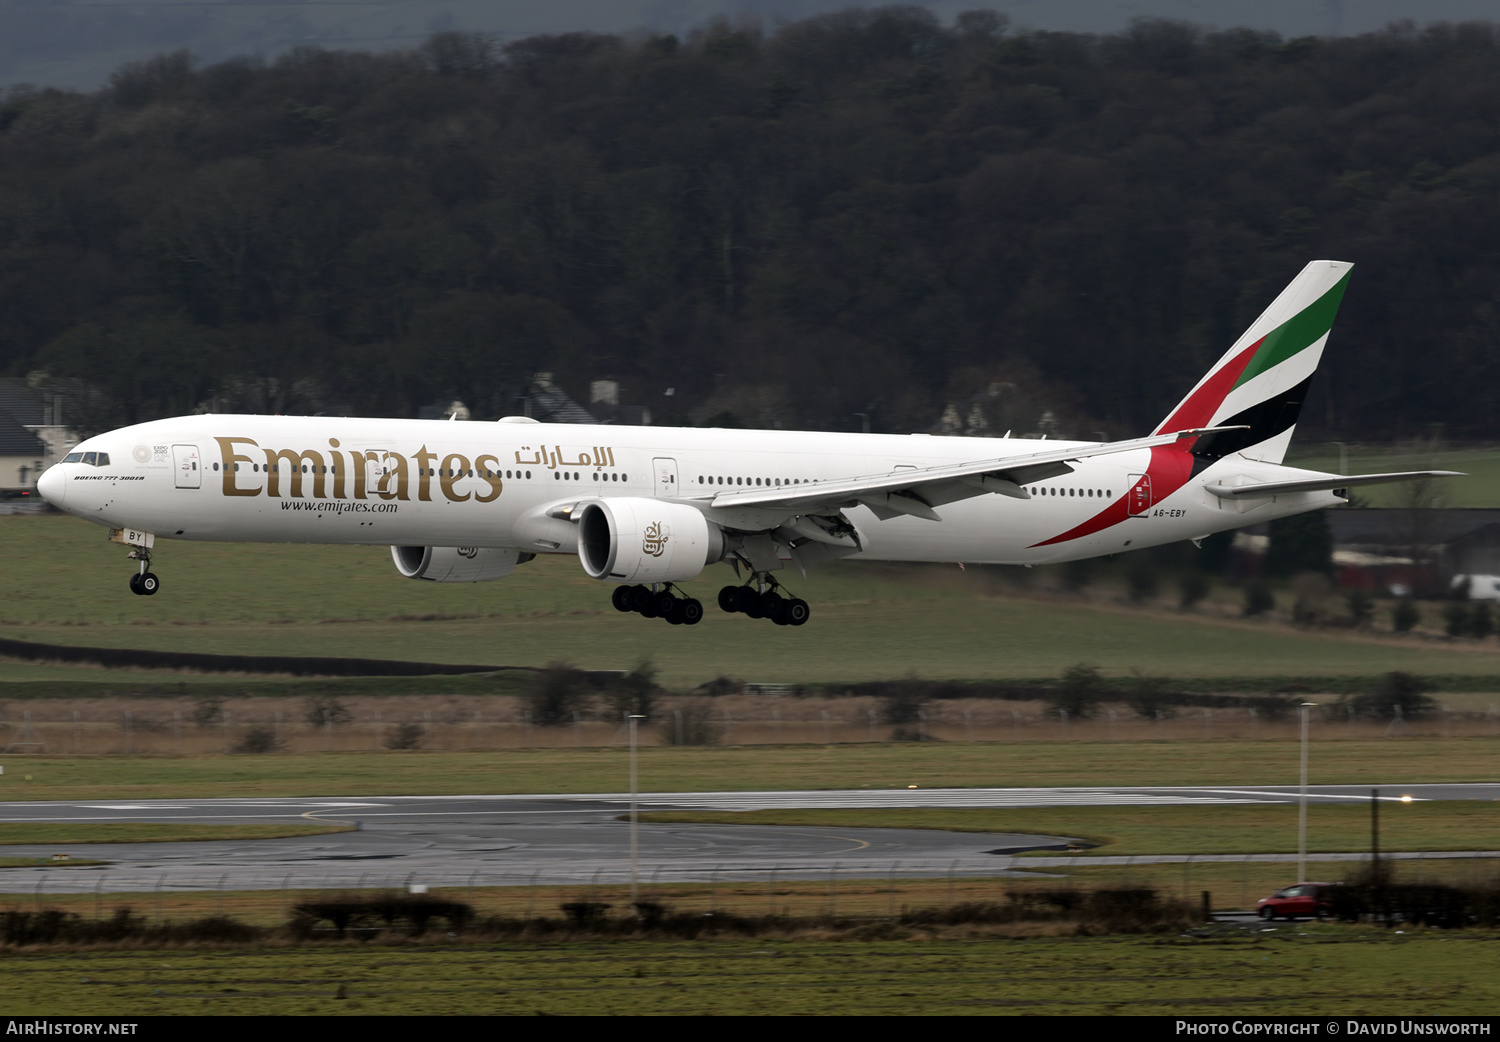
x,y
1323,484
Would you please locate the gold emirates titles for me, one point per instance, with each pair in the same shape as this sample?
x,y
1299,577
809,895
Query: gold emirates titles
x,y
379,473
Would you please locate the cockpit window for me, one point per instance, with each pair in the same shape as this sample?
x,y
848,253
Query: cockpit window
x,y
103,459
73,457
91,458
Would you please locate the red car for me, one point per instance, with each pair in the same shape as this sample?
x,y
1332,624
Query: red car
x,y
1305,900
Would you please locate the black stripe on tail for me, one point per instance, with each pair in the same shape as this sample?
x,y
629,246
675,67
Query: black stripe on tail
x,y
1264,419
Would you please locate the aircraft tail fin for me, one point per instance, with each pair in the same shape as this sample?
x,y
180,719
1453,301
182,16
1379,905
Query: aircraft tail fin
x,y
1262,381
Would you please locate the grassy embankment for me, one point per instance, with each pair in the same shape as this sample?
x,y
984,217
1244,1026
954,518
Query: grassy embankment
x,y
1310,971
665,769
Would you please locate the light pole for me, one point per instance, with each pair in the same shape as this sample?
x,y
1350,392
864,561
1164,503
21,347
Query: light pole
x,y
634,819
1343,456
1302,802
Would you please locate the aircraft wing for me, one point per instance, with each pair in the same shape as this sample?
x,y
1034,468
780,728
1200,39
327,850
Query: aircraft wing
x,y
1324,484
914,491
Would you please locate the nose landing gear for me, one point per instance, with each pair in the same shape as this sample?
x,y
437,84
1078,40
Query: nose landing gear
x,y
144,583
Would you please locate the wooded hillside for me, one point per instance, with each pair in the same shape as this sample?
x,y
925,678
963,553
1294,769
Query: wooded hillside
x,y
866,213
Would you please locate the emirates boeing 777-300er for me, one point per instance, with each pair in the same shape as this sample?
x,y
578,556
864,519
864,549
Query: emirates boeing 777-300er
x,y
647,508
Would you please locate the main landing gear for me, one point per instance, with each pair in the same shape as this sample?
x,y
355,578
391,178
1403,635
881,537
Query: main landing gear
x,y
657,601
144,583
765,603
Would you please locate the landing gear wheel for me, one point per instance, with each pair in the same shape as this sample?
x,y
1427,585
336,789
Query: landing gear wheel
x,y
729,599
641,600
773,607
691,611
664,605
135,584
778,612
752,603
797,611
621,598
149,583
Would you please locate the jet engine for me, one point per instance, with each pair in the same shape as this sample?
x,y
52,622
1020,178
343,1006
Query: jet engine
x,y
455,564
645,540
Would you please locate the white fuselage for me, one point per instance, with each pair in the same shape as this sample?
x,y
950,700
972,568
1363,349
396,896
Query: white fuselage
x,y
433,483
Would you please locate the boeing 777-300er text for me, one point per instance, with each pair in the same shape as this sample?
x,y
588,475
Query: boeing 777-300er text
x,y
648,508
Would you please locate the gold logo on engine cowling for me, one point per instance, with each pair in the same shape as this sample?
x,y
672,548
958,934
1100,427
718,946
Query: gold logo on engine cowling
x,y
655,540
468,552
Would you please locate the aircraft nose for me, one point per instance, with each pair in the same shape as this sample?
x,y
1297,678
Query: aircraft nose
x,y
53,485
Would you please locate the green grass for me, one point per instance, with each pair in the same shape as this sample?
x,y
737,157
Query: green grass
x,y
667,769
16,833
1128,831
65,584
1315,971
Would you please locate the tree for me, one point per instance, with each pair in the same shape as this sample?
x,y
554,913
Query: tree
x,y
559,692
1300,543
1079,691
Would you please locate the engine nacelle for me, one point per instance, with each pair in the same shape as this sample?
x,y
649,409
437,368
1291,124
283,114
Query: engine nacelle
x,y
645,540
455,564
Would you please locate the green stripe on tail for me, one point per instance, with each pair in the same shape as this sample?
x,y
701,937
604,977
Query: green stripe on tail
x,y
1298,333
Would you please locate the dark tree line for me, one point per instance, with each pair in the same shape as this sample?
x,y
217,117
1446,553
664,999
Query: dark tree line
x,y
855,218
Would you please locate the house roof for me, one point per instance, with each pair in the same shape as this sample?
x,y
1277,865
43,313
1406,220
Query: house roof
x,y
16,440
24,404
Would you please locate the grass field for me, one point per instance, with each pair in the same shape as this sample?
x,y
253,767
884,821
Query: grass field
x,y
1218,829
1312,971
66,584
678,769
